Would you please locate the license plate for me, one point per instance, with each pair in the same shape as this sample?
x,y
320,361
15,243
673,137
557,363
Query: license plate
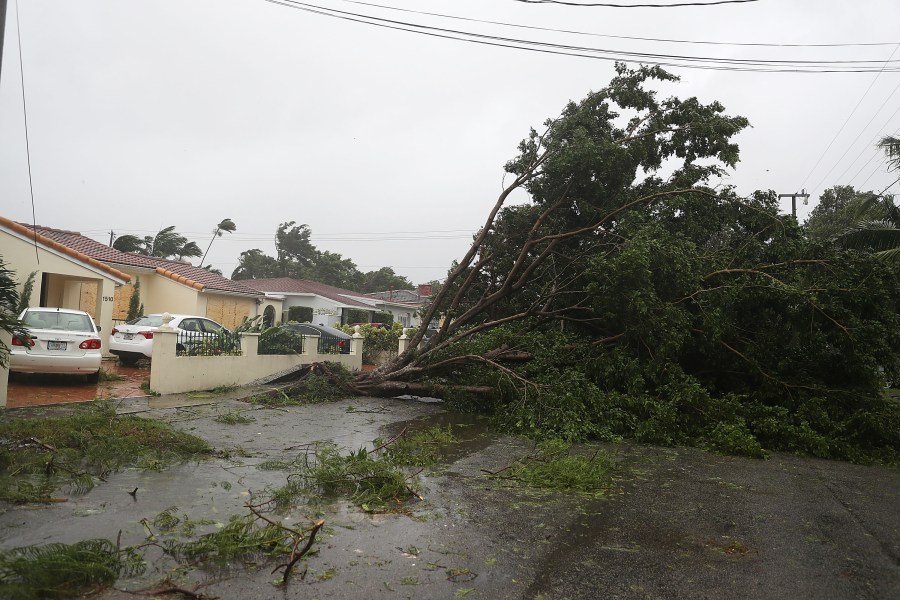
x,y
56,345
129,336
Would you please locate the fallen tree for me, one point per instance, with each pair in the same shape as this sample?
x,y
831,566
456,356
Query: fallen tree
x,y
617,302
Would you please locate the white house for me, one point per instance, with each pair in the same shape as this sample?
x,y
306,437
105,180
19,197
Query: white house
x,y
330,304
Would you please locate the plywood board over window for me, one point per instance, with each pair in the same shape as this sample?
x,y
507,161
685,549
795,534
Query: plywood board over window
x,y
122,300
88,299
229,311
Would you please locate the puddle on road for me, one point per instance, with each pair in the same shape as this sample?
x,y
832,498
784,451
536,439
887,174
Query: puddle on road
x,y
471,432
39,389
217,488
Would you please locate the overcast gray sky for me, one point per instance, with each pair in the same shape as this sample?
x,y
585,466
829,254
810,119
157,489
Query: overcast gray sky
x,y
390,145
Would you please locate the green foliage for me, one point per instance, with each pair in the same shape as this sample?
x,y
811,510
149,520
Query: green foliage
x,y
233,418
370,481
9,301
300,314
109,375
64,570
357,315
313,388
382,280
383,317
837,210
135,308
556,467
240,538
419,449
25,296
280,340
40,455
377,341
297,257
167,243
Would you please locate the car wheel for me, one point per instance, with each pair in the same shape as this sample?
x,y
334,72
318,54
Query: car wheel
x,y
93,377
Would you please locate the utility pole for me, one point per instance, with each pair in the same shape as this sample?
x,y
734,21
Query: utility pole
x,y
793,198
2,29
112,234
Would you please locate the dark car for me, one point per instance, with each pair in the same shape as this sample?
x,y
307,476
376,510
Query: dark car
x,y
331,340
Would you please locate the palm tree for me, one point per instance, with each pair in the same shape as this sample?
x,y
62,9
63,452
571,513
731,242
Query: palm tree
x,y
878,219
226,225
891,146
881,233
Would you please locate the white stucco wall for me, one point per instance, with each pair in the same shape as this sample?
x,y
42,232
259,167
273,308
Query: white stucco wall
x,y
171,374
325,311
66,274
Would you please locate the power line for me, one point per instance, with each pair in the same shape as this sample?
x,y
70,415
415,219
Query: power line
x,y
27,143
871,144
618,37
669,60
852,112
610,5
861,131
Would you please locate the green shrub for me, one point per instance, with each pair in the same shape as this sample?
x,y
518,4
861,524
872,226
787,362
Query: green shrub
x,y
300,314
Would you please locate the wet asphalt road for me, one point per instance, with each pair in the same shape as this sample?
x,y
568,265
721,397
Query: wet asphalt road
x,y
680,523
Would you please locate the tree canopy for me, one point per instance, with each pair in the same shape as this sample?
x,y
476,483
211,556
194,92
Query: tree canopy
x,y
167,243
631,298
9,302
296,256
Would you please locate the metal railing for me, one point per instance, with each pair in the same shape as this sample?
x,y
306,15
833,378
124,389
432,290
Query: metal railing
x,y
280,341
195,343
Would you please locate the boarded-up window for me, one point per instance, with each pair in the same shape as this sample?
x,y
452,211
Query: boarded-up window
x,y
229,311
122,298
88,300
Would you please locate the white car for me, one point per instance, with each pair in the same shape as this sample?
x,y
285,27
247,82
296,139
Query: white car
x,y
133,341
59,341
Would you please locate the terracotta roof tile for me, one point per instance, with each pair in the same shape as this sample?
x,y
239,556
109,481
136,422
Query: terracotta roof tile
x,y
182,272
75,253
289,285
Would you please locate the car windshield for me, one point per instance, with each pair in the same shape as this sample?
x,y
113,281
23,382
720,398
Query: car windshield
x,y
58,320
148,321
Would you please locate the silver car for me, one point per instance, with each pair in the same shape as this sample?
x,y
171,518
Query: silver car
x,y
59,340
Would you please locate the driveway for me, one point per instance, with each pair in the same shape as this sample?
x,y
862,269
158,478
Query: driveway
x,y
39,390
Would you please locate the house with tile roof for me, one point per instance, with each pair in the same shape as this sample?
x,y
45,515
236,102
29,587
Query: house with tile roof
x,y
62,275
330,304
166,285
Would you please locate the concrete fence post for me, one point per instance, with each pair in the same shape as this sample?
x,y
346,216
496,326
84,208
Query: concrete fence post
x,y
404,341
356,342
250,344
163,366
311,347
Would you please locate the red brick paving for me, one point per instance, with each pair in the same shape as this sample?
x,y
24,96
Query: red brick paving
x,y
37,390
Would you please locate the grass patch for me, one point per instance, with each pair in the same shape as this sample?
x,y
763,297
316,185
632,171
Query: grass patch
x,y
145,386
555,467
223,389
64,570
109,375
234,418
39,456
